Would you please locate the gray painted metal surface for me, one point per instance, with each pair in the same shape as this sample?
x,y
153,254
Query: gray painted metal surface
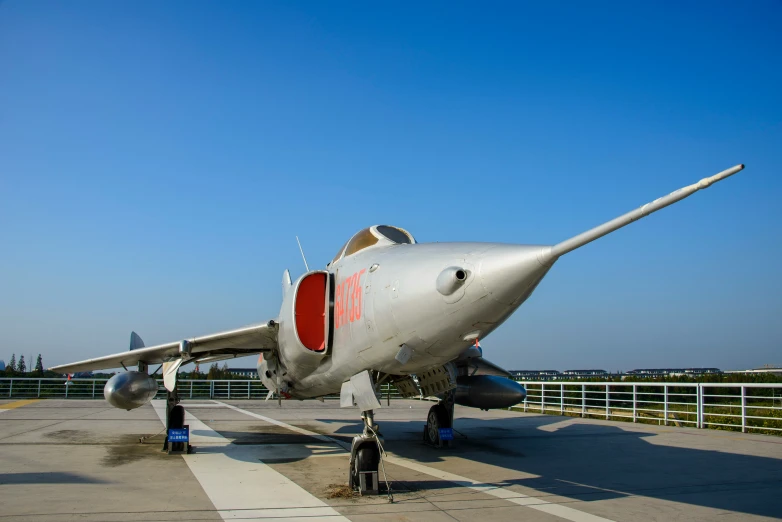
x,y
129,390
384,291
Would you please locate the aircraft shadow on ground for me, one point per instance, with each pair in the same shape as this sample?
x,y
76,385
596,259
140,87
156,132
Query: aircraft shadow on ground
x,y
47,478
590,462
581,461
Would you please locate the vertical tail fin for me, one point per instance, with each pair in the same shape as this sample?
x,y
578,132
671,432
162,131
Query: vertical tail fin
x,y
135,341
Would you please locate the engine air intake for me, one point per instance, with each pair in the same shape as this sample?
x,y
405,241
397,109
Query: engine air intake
x,y
310,311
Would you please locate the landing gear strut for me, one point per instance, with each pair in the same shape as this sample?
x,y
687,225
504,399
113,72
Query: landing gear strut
x,y
439,422
365,457
175,418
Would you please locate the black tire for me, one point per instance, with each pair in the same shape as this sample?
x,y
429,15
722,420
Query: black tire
x,y
367,459
437,418
176,418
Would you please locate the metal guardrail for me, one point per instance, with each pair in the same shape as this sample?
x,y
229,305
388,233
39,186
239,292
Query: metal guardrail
x,y
35,388
747,407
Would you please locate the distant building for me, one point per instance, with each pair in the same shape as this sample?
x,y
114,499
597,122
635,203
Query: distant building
x,y
553,375
535,375
244,372
2,366
671,372
585,373
767,368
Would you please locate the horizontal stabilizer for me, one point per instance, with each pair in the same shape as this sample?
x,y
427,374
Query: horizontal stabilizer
x,y
634,215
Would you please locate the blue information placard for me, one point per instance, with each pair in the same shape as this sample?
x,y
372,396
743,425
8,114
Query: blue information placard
x,y
446,433
179,434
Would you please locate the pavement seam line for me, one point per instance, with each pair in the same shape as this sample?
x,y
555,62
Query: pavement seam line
x,y
244,499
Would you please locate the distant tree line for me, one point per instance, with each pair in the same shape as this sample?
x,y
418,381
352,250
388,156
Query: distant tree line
x,y
20,368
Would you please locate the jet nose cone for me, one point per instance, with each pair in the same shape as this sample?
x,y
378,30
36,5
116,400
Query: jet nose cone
x,y
509,273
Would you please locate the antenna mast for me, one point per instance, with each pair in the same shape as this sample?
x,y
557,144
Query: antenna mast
x,y
302,254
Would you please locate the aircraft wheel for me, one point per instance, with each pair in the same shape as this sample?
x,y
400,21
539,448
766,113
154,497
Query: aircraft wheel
x,y
436,419
367,459
176,418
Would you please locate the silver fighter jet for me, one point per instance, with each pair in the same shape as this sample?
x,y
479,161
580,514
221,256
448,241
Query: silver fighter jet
x,y
385,309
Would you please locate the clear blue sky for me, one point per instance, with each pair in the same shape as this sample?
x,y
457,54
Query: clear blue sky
x,y
157,159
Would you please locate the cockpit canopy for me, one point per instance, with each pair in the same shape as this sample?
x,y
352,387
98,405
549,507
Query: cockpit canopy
x,y
376,235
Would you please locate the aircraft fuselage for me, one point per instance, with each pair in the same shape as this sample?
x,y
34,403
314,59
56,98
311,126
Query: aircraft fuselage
x,y
390,296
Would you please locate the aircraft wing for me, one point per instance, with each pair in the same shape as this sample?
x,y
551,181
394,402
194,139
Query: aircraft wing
x,y
248,340
482,366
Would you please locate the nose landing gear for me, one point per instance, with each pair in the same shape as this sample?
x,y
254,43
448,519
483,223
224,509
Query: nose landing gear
x,y
365,457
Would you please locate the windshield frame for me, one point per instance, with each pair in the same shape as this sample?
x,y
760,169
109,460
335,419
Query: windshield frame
x,y
370,237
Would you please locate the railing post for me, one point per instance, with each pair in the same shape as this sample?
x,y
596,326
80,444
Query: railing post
x,y
561,399
191,389
744,409
93,388
698,406
665,402
66,387
229,389
583,400
249,384
10,387
211,389
635,391
542,397
608,404
39,389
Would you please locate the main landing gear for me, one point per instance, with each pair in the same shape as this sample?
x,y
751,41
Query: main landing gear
x,y
365,457
438,431
175,418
